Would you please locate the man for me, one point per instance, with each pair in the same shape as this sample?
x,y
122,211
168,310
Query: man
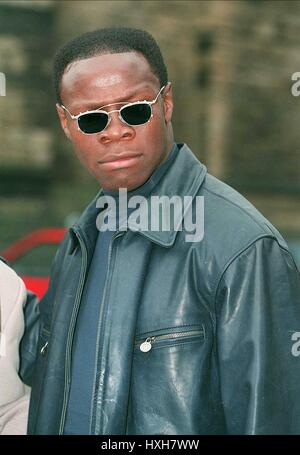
x,y
14,396
149,331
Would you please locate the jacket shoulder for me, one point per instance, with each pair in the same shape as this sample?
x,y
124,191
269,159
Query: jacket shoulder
x,y
231,221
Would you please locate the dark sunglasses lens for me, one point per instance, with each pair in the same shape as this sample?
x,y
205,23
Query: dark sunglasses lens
x,y
137,114
93,123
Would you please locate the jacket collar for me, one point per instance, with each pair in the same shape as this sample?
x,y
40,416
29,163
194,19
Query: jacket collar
x,y
86,228
183,178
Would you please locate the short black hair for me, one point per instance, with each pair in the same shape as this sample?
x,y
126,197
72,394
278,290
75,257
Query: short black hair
x,y
109,41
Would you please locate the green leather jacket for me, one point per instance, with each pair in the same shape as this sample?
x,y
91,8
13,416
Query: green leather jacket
x,y
222,317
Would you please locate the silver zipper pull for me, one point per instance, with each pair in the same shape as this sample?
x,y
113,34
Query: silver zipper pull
x,y
44,349
147,344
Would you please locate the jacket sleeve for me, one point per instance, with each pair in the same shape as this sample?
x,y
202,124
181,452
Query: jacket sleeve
x,y
35,314
257,327
29,342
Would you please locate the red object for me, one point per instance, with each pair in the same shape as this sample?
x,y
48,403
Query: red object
x,y
37,284
48,236
30,241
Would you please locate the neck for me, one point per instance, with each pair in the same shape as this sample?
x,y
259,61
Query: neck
x,y
170,136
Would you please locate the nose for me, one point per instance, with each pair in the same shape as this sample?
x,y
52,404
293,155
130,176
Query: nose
x,y
116,130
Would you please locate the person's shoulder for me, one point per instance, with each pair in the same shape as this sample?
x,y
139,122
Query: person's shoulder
x,y
7,275
224,206
12,290
231,218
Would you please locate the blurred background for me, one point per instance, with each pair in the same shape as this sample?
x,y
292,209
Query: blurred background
x,y
231,64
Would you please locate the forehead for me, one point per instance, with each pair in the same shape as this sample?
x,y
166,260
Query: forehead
x,y
105,77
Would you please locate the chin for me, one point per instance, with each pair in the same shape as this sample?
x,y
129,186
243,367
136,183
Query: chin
x,y
115,184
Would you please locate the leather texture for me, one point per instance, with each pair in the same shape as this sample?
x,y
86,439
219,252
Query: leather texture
x,y
229,306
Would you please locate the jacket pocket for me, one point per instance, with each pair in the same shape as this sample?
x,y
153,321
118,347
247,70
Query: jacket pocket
x,y
169,379
169,337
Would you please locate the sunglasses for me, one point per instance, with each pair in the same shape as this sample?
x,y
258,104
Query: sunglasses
x,y
133,114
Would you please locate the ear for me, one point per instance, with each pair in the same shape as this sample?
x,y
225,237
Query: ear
x,y
63,120
168,102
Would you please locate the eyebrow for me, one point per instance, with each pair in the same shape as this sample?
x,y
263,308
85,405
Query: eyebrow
x,y
93,106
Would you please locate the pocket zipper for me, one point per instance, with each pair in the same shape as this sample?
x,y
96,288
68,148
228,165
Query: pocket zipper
x,y
44,349
146,345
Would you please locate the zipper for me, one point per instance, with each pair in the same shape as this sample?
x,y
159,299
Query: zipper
x,y
100,331
44,349
45,334
71,331
146,344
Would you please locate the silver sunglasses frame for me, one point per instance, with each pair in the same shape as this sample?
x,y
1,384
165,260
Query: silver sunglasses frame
x,y
99,110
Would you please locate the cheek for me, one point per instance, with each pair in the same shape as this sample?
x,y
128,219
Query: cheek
x,y
84,146
154,133
157,141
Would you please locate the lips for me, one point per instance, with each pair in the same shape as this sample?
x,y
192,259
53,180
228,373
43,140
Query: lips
x,y
120,161
114,158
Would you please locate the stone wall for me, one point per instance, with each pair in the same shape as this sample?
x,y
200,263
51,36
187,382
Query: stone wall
x,y
230,63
